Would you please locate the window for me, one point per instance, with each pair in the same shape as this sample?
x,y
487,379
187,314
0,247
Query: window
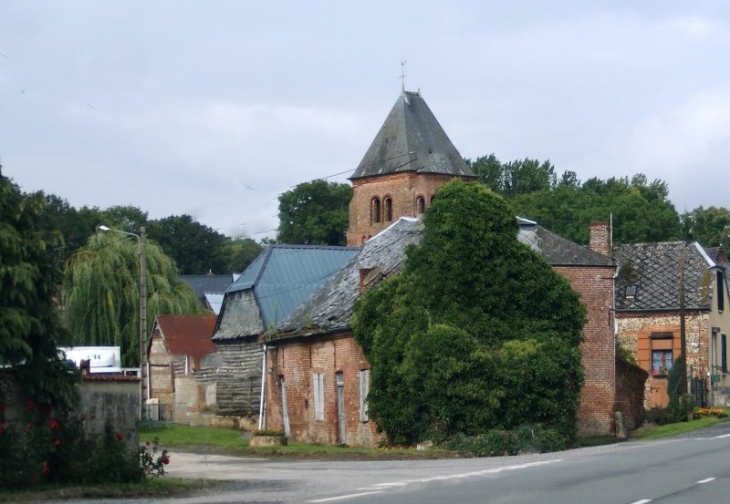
x,y
388,209
662,356
364,391
723,349
375,210
720,292
318,390
420,205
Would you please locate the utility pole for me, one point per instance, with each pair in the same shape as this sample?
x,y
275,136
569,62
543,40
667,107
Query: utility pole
x,y
143,315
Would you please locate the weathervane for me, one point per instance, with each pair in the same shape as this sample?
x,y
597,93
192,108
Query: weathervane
x,y
403,75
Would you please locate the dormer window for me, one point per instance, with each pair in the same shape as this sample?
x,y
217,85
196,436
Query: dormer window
x,y
631,292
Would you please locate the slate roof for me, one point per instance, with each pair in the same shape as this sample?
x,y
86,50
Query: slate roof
x,y
187,334
275,284
411,139
330,308
556,250
653,268
208,284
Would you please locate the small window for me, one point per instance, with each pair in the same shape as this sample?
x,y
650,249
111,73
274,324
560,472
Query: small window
x,y
318,392
720,291
375,211
388,209
364,391
723,349
631,292
420,204
662,356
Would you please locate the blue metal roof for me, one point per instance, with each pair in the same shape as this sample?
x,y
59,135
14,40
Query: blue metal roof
x,y
284,276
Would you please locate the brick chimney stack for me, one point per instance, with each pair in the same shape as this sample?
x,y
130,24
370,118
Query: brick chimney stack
x,y
600,240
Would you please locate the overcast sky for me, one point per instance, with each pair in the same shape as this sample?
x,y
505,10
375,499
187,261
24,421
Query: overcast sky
x,y
213,108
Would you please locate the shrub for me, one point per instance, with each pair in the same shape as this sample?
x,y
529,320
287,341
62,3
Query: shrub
x,y
710,412
496,442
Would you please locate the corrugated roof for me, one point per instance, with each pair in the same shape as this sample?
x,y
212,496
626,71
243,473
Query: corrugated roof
x,y
274,285
411,139
330,307
654,269
187,334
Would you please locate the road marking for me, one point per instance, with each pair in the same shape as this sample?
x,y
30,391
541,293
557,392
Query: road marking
x,y
723,436
350,496
642,501
706,480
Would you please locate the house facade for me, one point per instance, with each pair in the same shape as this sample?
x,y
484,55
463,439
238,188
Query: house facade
x,y
273,285
182,362
662,288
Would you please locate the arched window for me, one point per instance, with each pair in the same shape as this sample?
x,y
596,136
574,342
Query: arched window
x,y
433,197
420,204
388,209
375,210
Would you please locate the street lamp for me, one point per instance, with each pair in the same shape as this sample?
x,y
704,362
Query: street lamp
x,y
142,304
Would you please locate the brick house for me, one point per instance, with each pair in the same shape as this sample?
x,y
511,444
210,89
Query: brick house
x,y
272,286
410,157
182,361
648,312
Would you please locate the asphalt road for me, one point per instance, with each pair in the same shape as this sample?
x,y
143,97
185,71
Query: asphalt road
x,y
694,468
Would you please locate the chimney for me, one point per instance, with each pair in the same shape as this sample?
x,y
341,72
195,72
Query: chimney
x,y
600,240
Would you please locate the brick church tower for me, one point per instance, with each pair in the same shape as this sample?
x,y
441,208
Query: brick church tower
x,y
409,159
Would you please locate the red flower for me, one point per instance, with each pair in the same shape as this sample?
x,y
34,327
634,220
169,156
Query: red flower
x,y
165,459
57,443
53,423
45,469
30,404
119,436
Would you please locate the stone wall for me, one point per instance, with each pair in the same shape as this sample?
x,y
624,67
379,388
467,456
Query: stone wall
x,y
597,400
114,400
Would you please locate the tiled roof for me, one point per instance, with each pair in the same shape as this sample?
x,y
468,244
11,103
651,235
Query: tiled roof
x,y
274,285
330,307
654,270
411,139
556,250
187,334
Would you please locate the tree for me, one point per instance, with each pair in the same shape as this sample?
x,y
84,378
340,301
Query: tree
x,y
242,252
709,226
315,213
196,248
30,330
101,293
477,333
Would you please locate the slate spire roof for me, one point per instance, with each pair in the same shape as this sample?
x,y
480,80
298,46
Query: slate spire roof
x,y
411,139
652,269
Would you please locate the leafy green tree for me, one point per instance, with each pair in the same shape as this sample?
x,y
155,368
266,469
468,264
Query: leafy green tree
x,y
30,329
516,177
102,298
196,248
477,333
315,213
241,252
709,226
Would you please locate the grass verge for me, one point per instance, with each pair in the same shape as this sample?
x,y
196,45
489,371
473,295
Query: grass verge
x,y
649,432
158,487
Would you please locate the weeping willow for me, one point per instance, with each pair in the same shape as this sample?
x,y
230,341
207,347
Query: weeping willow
x,y
101,296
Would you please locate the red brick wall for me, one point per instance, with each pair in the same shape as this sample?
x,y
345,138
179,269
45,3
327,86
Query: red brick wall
x,y
597,401
402,188
295,361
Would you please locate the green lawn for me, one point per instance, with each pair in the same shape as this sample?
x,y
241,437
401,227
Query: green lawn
x,y
649,432
193,437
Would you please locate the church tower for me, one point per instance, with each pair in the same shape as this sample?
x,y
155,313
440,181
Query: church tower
x,y
409,159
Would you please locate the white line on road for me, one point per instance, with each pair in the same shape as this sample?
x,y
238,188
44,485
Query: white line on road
x,y
706,480
341,497
723,436
642,501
